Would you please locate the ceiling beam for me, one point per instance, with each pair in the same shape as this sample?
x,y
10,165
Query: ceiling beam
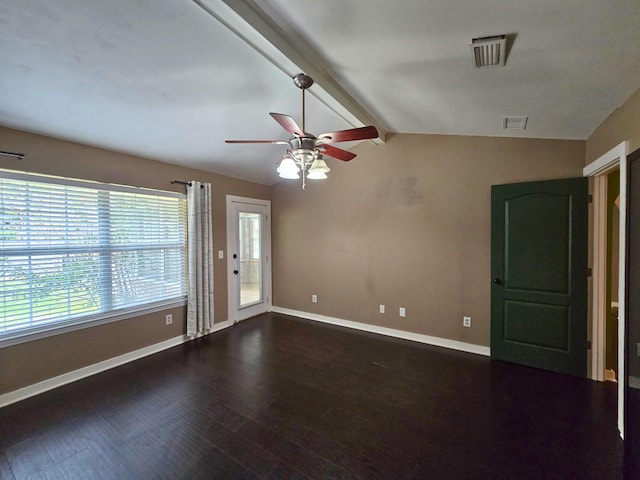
x,y
255,27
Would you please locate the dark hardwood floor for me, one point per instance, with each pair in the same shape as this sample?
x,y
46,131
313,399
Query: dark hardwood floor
x,y
282,398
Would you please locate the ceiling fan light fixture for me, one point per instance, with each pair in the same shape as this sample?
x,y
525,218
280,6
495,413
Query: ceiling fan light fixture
x,y
318,169
288,168
317,175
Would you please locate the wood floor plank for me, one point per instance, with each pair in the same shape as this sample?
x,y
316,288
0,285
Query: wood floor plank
x,y
359,465
300,458
283,471
29,459
257,460
5,468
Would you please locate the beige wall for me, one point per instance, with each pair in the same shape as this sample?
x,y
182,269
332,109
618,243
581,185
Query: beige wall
x,y
405,224
27,363
623,124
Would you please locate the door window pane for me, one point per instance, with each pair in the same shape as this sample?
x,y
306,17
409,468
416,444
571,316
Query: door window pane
x,y
250,240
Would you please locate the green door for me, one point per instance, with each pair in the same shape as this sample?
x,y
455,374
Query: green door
x,y
539,274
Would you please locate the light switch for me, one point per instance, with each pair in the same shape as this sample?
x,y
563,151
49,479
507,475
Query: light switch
x,y
220,254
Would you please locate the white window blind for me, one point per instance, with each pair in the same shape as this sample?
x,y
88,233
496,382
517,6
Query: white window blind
x,y
72,251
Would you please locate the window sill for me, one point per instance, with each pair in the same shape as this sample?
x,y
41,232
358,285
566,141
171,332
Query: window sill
x,y
62,328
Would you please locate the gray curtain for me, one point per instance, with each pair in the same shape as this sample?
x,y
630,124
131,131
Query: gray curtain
x,y
200,259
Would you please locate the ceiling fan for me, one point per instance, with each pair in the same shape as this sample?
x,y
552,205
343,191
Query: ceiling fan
x,y
305,151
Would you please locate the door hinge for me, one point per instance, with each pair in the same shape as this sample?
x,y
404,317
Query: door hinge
x,y
588,344
589,272
590,198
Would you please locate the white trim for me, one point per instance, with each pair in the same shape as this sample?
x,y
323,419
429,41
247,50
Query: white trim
x,y
391,332
69,377
615,157
599,309
607,162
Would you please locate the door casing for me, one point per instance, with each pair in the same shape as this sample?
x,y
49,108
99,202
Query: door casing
x,y
598,170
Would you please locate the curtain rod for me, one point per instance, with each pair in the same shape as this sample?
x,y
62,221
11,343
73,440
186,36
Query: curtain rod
x,y
184,183
12,154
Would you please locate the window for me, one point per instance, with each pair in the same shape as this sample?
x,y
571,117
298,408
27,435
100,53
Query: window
x,y
73,251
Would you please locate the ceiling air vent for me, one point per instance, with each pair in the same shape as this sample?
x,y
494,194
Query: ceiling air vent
x,y
514,122
489,51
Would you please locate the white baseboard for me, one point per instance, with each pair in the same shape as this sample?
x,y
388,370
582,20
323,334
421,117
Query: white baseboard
x,y
69,377
416,337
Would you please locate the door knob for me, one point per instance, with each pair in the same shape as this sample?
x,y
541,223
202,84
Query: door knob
x,y
235,272
497,281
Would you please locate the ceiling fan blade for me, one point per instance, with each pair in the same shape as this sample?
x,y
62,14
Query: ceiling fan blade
x,y
350,135
335,152
278,142
288,123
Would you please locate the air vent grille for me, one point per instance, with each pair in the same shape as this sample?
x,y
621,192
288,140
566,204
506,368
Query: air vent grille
x,y
489,51
514,122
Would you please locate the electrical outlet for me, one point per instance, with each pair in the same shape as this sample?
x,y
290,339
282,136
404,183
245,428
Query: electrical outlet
x,y
314,298
466,321
403,312
381,308
168,320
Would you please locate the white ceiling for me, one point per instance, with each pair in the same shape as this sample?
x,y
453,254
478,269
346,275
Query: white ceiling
x,y
166,79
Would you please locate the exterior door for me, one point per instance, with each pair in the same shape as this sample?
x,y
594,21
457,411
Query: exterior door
x,y
248,252
539,274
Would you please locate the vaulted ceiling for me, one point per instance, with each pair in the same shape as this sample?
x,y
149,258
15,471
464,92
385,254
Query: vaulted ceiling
x,y
172,79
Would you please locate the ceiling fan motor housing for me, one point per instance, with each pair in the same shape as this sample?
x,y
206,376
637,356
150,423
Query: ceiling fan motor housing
x,y
303,148
308,142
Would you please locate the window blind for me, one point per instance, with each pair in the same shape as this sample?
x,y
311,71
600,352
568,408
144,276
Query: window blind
x,y
71,250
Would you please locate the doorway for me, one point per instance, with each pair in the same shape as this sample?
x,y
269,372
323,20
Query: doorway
x,y
248,256
598,170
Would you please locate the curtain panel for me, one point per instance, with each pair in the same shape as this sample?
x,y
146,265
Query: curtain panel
x,y
200,259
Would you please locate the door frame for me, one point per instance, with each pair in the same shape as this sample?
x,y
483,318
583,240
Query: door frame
x,y
233,313
598,170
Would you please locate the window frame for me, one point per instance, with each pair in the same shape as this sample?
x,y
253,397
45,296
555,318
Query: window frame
x,y
100,318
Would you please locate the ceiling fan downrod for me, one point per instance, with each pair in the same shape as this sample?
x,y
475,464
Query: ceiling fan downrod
x,y
303,82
